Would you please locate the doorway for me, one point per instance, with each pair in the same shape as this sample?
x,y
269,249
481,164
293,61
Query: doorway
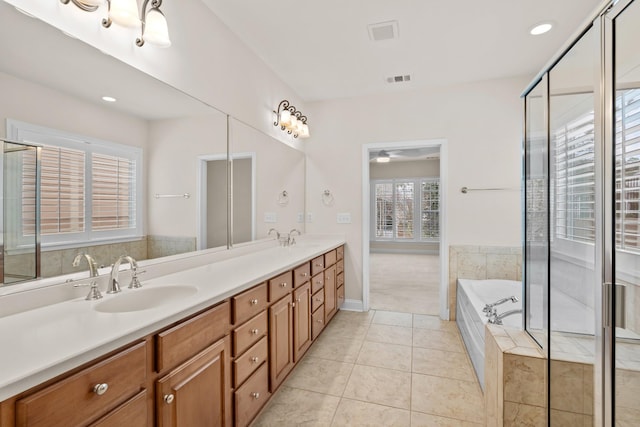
x,y
403,227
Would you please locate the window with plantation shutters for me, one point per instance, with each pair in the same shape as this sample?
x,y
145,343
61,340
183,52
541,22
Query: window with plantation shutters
x,y
90,190
406,209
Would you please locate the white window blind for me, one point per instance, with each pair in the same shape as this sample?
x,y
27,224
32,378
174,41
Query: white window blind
x,y
628,169
90,189
406,209
574,183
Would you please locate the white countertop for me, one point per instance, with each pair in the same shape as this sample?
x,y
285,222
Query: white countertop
x,y
42,343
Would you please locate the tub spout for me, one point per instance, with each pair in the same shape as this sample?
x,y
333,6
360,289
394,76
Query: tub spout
x,y
496,319
488,308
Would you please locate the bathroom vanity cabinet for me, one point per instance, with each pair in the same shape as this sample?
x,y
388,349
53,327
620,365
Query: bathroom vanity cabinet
x,y
218,367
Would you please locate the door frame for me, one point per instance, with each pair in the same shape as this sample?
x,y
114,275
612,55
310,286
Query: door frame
x,y
201,205
366,215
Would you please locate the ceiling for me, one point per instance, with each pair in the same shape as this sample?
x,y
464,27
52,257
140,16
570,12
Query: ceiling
x,y
323,50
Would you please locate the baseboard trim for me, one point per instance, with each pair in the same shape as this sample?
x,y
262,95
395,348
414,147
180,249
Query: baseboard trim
x,y
352,305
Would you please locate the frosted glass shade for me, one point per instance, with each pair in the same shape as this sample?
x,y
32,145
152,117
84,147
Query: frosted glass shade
x,y
156,30
285,118
125,13
293,123
305,131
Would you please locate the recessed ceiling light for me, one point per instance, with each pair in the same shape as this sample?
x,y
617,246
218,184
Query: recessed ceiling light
x,y
108,99
541,28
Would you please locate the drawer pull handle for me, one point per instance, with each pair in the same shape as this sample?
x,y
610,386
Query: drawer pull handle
x,y
283,284
298,300
318,300
255,395
255,331
255,359
319,265
319,321
304,274
100,389
168,398
254,301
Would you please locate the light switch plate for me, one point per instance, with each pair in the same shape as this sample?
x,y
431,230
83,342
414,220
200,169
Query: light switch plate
x,y
309,217
270,217
343,218
300,217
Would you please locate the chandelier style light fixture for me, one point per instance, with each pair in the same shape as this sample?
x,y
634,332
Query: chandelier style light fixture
x,y
153,24
291,120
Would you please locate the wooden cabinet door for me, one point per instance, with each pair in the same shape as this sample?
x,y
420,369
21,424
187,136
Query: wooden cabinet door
x,y
301,320
198,392
329,293
280,340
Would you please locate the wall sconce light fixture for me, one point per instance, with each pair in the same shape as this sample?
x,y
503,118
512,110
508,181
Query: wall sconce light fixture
x,y
125,12
291,120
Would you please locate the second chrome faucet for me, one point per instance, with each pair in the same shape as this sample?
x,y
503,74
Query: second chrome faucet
x,y
114,284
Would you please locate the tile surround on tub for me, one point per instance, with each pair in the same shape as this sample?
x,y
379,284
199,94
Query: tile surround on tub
x,y
482,262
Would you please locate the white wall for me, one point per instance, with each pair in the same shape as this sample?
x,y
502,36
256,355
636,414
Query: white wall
x,y
482,123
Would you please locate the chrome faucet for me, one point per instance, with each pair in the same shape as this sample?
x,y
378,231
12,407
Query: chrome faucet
x,y
489,309
114,284
292,240
94,292
496,319
277,233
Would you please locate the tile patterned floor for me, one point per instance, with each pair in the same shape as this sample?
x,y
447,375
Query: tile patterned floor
x,y
404,282
380,369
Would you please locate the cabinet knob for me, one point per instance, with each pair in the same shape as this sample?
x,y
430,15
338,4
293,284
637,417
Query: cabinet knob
x,y
254,301
168,398
255,359
255,395
283,284
318,300
304,274
298,300
255,331
319,320
319,265
100,389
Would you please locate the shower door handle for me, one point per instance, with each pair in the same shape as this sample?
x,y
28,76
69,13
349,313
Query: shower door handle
x,y
615,293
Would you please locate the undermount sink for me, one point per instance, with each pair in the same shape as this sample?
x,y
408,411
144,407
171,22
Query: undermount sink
x,y
144,298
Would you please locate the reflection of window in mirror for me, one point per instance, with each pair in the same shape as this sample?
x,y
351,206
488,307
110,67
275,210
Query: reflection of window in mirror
x,y
90,189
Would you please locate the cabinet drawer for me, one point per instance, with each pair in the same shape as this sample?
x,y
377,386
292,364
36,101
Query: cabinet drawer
x,y
330,258
180,342
249,303
246,364
317,265
340,296
280,286
132,413
317,300
317,282
340,266
75,400
317,322
339,279
301,274
340,252
252,396
249,333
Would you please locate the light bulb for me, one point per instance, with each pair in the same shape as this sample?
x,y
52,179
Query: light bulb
x,y
285,118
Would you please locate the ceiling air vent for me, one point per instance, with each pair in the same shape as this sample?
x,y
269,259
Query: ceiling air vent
x,y
399,79
383,31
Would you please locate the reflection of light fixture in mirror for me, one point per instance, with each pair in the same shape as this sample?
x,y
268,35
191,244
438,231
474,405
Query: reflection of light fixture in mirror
x,y
541,28
283,198
291,120
86,5
154,25
327,198
108,99
383,157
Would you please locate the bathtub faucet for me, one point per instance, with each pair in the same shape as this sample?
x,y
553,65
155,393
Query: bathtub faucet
x,y
489,308
496,319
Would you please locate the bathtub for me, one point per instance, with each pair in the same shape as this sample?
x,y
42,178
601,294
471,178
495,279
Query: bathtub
x,y
472,295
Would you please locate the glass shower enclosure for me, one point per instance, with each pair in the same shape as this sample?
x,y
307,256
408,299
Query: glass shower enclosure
x,y
20,225
582,221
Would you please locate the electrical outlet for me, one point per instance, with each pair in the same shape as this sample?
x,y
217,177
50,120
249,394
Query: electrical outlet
x,y
343,218
270,217
300,217
309,217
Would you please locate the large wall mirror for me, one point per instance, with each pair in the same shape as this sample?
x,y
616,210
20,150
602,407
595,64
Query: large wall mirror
x,y
155,161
